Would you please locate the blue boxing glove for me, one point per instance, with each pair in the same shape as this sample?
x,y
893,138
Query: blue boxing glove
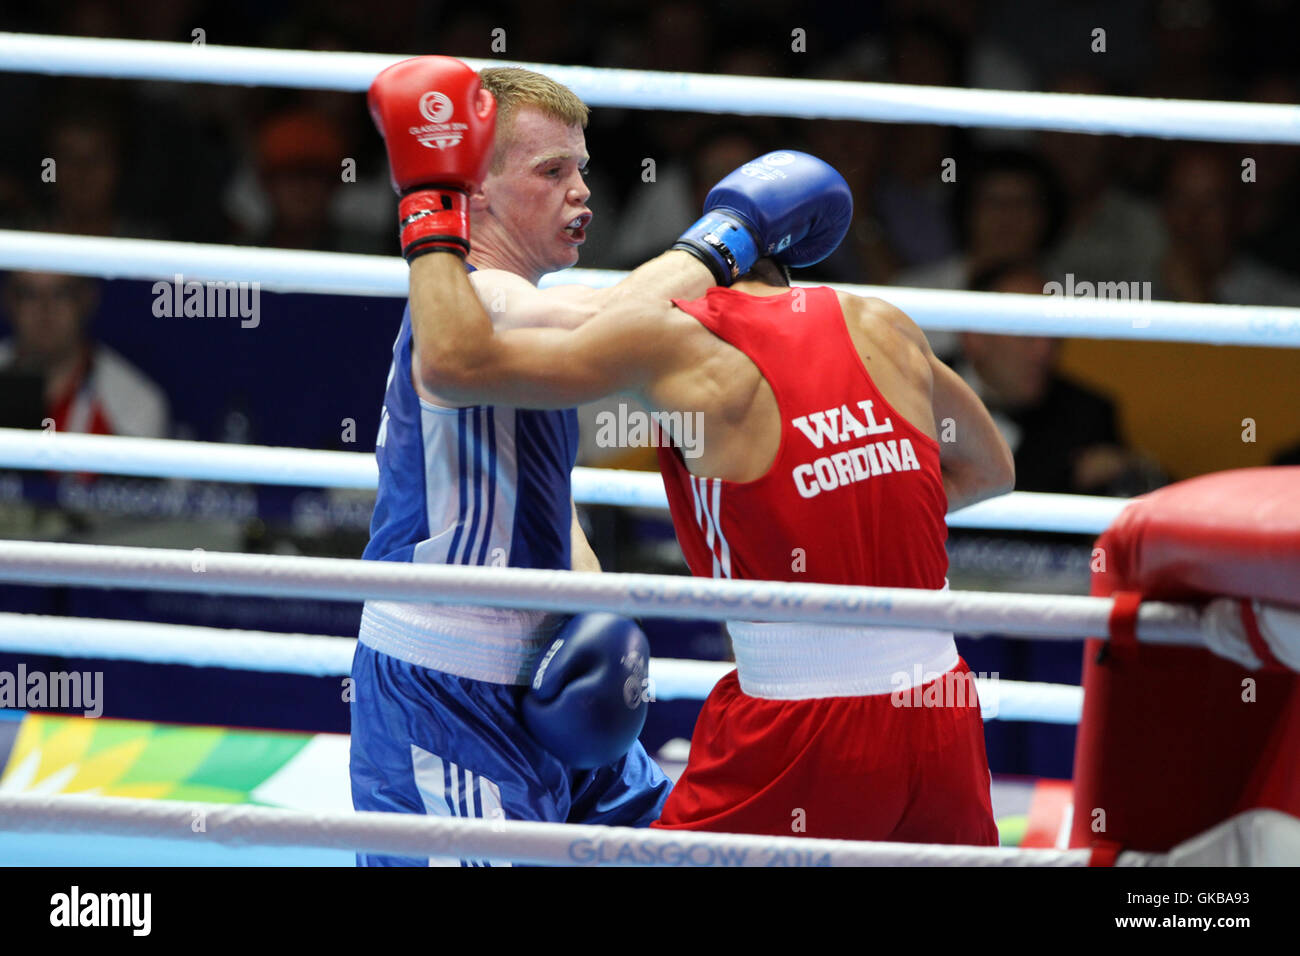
x,y
787,205
586,703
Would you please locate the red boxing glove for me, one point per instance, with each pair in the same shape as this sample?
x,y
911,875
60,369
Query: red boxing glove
x,y
437,123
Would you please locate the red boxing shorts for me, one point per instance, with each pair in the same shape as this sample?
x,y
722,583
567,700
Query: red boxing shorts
x,y
878,767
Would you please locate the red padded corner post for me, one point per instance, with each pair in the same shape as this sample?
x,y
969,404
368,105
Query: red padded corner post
x,y
1174,740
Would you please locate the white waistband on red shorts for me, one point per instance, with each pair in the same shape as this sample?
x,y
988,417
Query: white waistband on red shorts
x,y
804,661
498,645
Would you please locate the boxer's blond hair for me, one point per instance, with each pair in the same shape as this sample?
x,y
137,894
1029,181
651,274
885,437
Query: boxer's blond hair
x,y
514,88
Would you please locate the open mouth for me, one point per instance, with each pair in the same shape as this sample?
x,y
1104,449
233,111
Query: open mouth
x,y
576,230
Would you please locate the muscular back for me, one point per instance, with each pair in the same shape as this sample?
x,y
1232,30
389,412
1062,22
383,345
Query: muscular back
x,y
741,421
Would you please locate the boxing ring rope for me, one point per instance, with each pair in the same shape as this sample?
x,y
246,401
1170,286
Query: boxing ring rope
x,y
632,595
1116,314
559,844
260,464
319,656
694,92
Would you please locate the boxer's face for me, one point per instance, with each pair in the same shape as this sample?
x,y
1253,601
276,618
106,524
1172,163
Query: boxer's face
x,y
534,208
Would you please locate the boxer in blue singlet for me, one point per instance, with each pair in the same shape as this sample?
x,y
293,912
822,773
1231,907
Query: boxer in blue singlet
x,y
436,724
446,720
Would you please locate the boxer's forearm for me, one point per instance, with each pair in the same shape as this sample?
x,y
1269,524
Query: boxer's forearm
x,y
513,303
966,485
673,275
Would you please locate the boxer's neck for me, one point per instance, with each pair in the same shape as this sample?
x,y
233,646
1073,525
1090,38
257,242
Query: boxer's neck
x,y
757,287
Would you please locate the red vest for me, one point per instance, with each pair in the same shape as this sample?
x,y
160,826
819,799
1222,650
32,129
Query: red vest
x,y
855,495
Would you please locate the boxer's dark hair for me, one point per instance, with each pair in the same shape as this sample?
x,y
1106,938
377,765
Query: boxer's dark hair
x,y
767,270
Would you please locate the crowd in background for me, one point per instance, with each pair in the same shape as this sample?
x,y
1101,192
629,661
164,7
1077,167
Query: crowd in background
x,y
305,170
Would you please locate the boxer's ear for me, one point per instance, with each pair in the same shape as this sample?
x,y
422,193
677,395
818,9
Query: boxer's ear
x,y
478,199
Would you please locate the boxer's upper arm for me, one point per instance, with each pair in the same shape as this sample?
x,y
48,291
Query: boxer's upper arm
x,y
619,350
973,455
975,459
513,302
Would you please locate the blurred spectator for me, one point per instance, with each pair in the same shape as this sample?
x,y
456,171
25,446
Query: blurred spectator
x,y
92,18
300,161
913,205
679,37
1045,39
86,150
925,51
1269,224
1064,436
857,150
657,211
1203,262
294,195
1184,47
16,201
1009,208
1109,235
86,386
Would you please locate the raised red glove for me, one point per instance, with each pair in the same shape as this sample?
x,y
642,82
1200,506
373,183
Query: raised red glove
x,y
437,123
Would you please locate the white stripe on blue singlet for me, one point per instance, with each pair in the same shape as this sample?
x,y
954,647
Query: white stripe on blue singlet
x,y
477,473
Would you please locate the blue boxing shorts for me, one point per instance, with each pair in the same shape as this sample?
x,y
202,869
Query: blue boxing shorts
x,y
426,741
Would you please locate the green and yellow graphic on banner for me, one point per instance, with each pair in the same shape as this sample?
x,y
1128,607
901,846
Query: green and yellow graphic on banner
x,y
128,758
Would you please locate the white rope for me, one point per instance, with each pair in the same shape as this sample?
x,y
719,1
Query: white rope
x,y
33,450
320,656
1118,314
143,642
645,89
279,270
1002,699
1040,511
632,595
410,835
261,464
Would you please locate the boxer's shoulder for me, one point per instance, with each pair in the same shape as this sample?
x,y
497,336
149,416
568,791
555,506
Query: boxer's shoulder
x,y
866,308
887,338
877,319
487,282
